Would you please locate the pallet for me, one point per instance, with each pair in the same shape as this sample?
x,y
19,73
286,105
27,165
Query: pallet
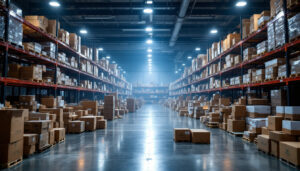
x,y
61,141
237,134
212,125
263,152
16,45
247,139
11,164
289,163
44,148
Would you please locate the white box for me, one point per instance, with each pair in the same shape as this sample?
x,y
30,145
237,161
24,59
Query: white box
x,y
291,125
280,109
292,110
261,109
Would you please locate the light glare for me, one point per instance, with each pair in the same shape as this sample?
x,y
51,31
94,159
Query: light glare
x,y
241,4
214,31
83,31
149,29
54,4
149,41
148,10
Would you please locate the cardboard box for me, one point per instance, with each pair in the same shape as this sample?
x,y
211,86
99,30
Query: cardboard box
x,y
30,139
76,127
14,70
12,127
182,135
265,131
51,29
254,101
28,150
38,21
254,22
291,127
90,123
43,141
11,152
281,136
264,143
236,125
239,112
51,137
130,105
49,102
290,151
101,124
275,123
292,113
275,148
90,105
57,111
39,116
60,134
200,136
37,126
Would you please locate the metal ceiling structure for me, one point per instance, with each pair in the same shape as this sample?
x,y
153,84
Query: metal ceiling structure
x,y
119,26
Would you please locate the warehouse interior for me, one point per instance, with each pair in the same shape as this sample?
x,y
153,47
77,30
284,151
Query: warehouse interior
x,y
149,84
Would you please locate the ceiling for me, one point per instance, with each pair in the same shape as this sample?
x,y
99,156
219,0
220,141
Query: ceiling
x,y
119,27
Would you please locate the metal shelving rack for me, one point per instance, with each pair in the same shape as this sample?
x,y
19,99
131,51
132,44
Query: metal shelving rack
x,y
256,37
151,93
30,30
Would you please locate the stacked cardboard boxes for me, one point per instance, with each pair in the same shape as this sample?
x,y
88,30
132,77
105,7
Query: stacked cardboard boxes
x,y
109,107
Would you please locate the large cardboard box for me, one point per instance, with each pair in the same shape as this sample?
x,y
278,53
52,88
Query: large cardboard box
x,y
90,122
76,127
51,137
43,141
200,136
57,111
281,136
30,139
28,150
291,127
37,126
60,134
49,102
38,21
265,131
274,148
12,127
264,143
11,152
239,112
275,123
254,22
290,151
51,29
101,124
109,107
90,105
182,135
236,125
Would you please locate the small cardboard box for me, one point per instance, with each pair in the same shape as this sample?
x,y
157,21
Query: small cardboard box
x,y
265,131
43,141
60,134
101,124
200,136
11,152
76,127
236,125
182,135
290,151
275,123
49,102
51,137
30,139
90,123
281,136
37,126
239,112
264,143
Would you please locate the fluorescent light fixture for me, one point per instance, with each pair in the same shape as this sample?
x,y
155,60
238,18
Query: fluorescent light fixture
x,y
149,56
124,72
189,57
113,62
214,31
179,69
149,29
149,41
183,64
54,4
149,50
241,3
149,2
149,60
100,49
148,10
107,57
83,31
197,49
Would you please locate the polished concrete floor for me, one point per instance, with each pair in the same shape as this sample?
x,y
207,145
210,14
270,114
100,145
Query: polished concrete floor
x,y
144,141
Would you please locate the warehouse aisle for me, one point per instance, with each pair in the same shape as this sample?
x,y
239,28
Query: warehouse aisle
x,y
144,141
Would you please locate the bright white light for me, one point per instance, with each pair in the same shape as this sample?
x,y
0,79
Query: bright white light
x,y
149,2
150,64
124,72
107,57
148,10
113,62
197,49
241,4
149,41
189,57
149,56
179,69
149,50
149,60
83,31
54,4
100,49
214,31
176,72
183,64
149,29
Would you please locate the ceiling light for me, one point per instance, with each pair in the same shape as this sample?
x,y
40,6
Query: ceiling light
x,y
100,49
197,49
179,69
149,2
176,72
124,72
113,62
54,4
148,10
149,60
149,41
183,64
214,31
241,3
149,29
83,31
149,55
149,50
107,57
189,57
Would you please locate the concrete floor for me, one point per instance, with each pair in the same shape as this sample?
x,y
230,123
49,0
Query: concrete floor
x,y
144,141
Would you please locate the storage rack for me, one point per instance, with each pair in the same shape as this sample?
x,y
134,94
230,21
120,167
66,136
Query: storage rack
x,y
288,51
151,94
74,93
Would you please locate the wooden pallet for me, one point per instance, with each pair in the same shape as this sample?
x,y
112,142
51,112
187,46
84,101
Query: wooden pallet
x,y
263,152
289,163
61,141
44,148
212,125
237,134
11,164
247,139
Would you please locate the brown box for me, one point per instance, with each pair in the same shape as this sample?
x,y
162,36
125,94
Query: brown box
x,y
239,112
30,73
90,105
51,29
254,23
90,123
265,131
182,135
30,139
76,127
275,148
51,137
200,136
60,134
14,70
11,152
57,111
28,150
236,125
275,123
37,126
290,151
38,21
38,116
101,124
281,136
43,141
254,101
246,27
12,127
264,143
49,102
